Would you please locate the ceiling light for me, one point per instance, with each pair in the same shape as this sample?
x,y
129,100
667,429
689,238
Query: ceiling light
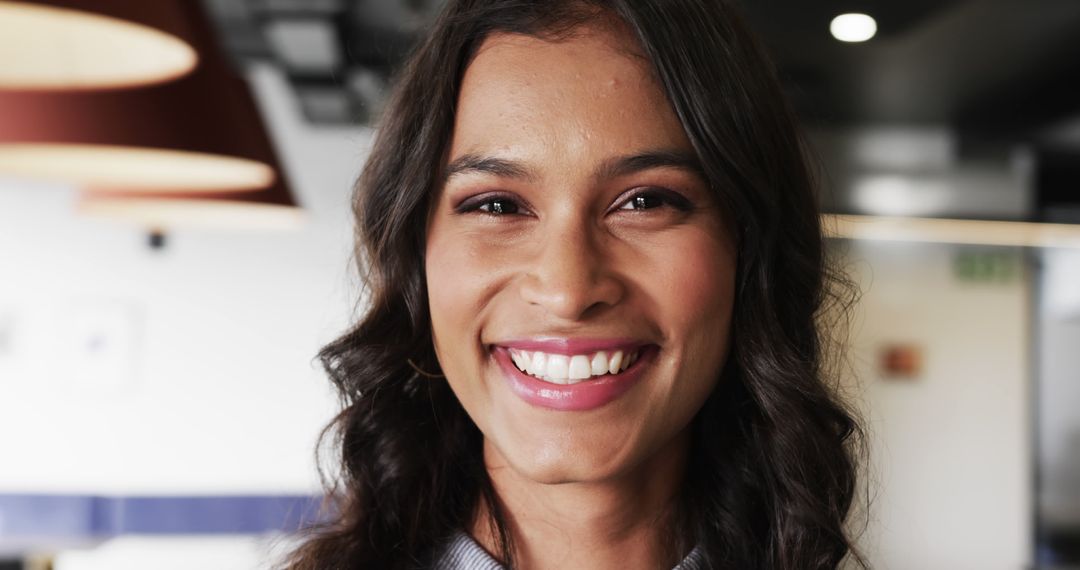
x,y
75,44
853,27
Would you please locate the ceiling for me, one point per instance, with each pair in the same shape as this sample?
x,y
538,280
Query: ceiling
x,y
988,67
994,69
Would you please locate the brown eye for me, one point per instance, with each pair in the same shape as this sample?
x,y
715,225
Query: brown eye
x,y
492,204
656,198
645,202
498,206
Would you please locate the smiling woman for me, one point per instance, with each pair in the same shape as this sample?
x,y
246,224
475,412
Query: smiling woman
x,y
596,273
586,285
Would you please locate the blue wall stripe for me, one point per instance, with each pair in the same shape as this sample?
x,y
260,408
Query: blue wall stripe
x,y
102,516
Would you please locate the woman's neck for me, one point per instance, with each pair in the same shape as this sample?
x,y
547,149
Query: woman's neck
x,y
626,522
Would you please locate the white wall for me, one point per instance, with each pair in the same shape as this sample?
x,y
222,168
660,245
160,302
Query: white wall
x,y
223,395
950,449
178,553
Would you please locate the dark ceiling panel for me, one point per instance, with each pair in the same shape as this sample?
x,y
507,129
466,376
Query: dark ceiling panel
x,y
970,62
999,68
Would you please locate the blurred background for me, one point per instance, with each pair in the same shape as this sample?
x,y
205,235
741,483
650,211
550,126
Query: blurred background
x,y
175,235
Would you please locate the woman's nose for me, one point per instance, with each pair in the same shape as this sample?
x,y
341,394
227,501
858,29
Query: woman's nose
x,y
570,274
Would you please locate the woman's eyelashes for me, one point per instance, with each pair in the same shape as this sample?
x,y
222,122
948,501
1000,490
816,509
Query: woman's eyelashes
x,y
491,204
648,198
651,198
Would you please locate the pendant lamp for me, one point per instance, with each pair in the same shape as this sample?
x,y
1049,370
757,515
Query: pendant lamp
x,y
194,145
244,193
198,133
94,44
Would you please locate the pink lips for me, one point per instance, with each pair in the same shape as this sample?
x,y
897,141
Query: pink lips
x,y
574,345
585,395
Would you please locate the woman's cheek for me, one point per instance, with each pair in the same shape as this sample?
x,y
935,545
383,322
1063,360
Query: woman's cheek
x,y
460,270
692,271
694,291
444,294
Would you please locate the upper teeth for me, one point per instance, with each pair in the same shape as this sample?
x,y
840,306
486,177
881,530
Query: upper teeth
x,y
571,369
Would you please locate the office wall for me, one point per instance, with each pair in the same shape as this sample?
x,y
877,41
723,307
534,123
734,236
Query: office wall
x,y
1059,389
950,448
212,338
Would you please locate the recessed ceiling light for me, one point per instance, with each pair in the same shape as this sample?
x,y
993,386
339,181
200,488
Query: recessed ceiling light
x,y
853,27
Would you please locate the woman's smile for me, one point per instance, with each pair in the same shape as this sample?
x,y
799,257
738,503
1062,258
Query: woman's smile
x,y
572,374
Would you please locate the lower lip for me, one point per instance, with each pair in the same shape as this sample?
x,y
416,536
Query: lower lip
x,y
585,395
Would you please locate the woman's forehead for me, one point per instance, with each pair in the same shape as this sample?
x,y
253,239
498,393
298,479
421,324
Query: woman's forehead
x,y
587,91
603,39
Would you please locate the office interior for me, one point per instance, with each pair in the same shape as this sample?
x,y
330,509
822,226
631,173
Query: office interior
x,y
160,400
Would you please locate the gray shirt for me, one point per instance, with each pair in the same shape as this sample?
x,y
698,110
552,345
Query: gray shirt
x,y
463,553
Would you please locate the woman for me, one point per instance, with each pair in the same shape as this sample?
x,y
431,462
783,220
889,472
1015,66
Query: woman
x,y
594,267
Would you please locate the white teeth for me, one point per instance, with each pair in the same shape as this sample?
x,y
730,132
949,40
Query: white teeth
x,y
571,369
538,364
557,367
614,367
580,368
519,360
599,364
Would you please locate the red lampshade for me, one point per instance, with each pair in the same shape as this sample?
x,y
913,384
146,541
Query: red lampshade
x,y
270,207
199,133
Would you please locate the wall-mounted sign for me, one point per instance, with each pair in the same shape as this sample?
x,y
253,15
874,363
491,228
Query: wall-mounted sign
x,y
986,266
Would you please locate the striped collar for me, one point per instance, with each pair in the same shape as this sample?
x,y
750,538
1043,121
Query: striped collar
x,y
463,553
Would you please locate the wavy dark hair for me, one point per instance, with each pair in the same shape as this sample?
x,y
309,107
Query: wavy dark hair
x,y
772,474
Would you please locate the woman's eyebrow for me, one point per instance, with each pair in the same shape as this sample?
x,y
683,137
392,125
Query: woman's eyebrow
x,y
660,158
611,168
489,165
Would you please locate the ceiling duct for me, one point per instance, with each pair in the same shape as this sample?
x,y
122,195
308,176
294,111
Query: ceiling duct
x,y
338,55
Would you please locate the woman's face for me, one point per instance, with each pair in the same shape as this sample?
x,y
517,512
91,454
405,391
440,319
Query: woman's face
x,y
580,274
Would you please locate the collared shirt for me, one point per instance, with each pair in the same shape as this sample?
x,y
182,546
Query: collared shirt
x,y
463,553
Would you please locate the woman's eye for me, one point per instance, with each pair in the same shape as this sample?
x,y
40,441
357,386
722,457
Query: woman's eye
x,y
494,205
650,199
498,206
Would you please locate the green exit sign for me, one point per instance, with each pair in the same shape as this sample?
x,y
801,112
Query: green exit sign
x,y
986,267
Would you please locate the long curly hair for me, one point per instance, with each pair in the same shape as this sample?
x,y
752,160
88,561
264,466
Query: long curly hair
x,y
773,470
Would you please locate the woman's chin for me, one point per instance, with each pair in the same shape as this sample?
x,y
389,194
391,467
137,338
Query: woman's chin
x,y
558,461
